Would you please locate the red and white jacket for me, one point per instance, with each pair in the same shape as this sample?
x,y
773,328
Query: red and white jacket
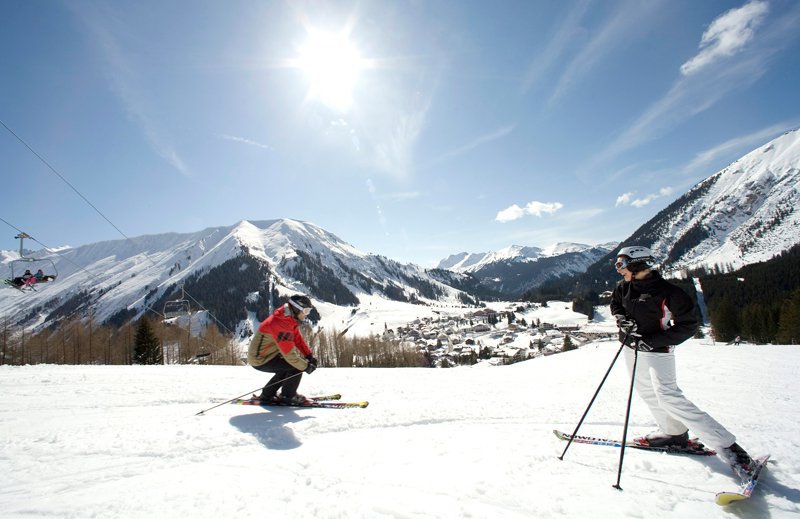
x,y
277,335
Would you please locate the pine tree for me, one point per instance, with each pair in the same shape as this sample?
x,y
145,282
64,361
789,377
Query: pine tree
x,y
725,321
789,327
568,344
147,347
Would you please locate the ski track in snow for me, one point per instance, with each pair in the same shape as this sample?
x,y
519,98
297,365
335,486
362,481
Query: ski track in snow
x,y
124,441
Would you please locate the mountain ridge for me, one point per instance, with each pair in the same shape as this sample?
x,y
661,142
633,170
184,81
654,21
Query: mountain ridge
x,y
742,214
121,279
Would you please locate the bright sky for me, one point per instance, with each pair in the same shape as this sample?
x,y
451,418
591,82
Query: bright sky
x,y
414,130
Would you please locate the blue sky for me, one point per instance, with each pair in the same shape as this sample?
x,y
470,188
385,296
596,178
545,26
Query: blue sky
x,y
413,129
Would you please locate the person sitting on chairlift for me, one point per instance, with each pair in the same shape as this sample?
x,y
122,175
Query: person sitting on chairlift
x,y
41,276
24,279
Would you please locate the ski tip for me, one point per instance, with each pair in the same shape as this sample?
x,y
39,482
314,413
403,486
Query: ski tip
x,y
726,498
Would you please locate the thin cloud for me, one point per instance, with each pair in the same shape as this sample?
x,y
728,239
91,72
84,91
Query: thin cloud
x,y
392,143
479,141
738,145
516,212
628,198
687,98
727,35
630,20
246,141
624,199
694,93
401,196
557,46
578,226
124,80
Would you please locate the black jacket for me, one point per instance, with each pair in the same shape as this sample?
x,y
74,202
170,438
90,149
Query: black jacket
x,y
664,314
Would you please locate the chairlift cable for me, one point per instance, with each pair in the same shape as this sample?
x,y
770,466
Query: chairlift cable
x,y
59,175
48,249
77,310
187,294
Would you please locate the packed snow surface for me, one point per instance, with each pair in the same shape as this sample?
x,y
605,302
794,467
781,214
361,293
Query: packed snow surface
x,y
125,441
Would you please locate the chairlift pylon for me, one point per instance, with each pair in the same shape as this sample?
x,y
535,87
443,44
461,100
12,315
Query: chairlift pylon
x,y
22,275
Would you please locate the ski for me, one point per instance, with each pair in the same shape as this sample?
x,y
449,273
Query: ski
x,y
746,489
14,285
695,448
319,398
324,402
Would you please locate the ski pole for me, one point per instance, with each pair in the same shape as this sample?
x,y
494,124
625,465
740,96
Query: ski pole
x,y
627,416
593,398
249,392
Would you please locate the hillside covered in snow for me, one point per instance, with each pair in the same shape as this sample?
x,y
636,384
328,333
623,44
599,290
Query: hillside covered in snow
x,y
227,270
745,213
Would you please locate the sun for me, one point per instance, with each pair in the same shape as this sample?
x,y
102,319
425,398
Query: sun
x,y
331,64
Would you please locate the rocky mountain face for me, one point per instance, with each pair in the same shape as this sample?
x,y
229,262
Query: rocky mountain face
x,y
744,214
510,272
228,270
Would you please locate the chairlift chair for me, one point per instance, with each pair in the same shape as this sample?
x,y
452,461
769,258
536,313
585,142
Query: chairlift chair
x,y
177,307
26,263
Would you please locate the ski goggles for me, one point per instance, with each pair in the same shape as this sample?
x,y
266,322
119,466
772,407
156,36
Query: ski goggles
x,y
622,263
302,311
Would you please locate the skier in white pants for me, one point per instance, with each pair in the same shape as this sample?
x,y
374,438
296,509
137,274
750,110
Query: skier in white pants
x,y
654,316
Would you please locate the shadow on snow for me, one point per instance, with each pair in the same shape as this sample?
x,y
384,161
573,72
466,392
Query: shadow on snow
x,y
270,428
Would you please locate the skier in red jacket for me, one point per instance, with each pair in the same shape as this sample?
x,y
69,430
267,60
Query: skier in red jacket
x,y
277,347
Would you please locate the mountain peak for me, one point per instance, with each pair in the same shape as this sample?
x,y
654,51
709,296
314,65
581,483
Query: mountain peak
x,y
564,247
745,213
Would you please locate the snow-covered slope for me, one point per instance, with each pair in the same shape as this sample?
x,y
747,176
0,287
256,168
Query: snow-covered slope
x,y
123,270
746,213
474,262
132,275
124,441
511,271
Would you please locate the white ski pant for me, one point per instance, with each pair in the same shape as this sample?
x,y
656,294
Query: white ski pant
x,y
657,384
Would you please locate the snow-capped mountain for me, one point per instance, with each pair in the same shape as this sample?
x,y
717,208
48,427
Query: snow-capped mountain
x,y
514,270
746,213
474,261
231,271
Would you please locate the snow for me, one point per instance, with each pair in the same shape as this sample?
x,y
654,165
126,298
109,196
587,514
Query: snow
x,y
125,274
473,262
125,441
748,211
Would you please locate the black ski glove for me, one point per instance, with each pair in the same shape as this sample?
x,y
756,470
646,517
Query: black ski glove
x,y
636,341
641,345
626,325
312,365
633,339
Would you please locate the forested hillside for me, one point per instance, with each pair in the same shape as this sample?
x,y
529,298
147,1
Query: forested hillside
x,y
759,302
